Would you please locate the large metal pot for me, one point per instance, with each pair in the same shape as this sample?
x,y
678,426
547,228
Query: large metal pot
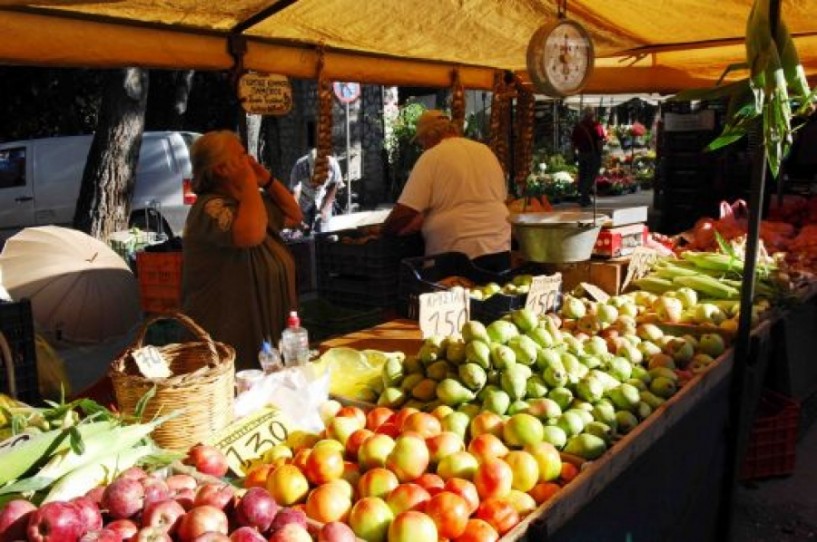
x,y
556,237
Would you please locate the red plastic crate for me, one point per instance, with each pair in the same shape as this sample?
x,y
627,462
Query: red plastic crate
x,y
160,280
773,442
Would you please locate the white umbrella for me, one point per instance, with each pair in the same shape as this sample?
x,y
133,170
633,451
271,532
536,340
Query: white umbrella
x,y
80,289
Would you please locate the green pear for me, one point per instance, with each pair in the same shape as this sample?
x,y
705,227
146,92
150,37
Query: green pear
x,y
536,387
429,353
641,373
437,370
413,365
474,330
392,398
469,409
584,414
555,378
590,389
625,421
562,396
524,319
643,410
625,396
549,357
524,348
601,430
497,402
502,357
586,446
473,376
518,407
486,390
571,422
663,387
455,351
544,408
541,336
514,381
452,393
426,390
555,435
620,368
478,352
456,422
605,413
607,381
640,384
651,399
392,372
411,380
501,331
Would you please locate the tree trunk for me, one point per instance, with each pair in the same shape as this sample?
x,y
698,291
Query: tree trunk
x,y
104,201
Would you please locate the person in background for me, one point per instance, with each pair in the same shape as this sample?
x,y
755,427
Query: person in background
x,y
317,202
588,141
455,195
238,279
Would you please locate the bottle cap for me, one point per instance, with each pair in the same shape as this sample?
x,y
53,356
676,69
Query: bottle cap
x,y
266,347
293,320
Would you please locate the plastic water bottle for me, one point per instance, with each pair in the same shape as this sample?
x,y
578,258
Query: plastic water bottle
x,y
295,342
269,358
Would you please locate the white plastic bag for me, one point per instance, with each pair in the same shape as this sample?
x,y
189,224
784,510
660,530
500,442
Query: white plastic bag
x,y
297,391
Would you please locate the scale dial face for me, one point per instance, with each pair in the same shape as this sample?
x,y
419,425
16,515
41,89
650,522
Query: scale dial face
x,y
560,58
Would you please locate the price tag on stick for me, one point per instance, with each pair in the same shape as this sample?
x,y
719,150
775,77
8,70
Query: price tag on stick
x,y
545,294
250,437
444,313
641,262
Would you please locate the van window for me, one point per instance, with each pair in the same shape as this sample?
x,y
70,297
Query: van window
x,y
155,159
12,167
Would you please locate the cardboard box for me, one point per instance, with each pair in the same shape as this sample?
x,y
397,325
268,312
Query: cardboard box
x,y
606,274
621,241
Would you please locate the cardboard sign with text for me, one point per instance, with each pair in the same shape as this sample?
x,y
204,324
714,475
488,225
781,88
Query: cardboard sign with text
x,y
248,438
265,94
545,294
444,313
641,262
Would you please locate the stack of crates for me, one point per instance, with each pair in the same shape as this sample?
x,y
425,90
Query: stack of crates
x,y
356,269
18,363
160,281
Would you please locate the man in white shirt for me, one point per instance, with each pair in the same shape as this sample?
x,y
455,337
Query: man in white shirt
x,y
456,196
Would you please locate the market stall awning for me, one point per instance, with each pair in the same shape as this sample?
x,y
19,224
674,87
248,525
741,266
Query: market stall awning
x,y
642,45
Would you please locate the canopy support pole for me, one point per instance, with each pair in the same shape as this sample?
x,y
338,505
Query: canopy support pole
x,y
745,360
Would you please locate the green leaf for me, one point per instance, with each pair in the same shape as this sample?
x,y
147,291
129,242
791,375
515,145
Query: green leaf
x,y
143,401
76,440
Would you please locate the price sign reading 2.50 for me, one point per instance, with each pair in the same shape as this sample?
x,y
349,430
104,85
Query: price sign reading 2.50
x,y
444,313
545,294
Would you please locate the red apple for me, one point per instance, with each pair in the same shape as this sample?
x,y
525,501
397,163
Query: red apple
x,y
285,516
207,459
123,498
152,534
256,509
135,473
202,519
89,512
102,535
156,489
214,494
185,497
57,521
95,494
291,532
124,528
336,532
212,536
164,515
14,519
407,497
246,534
177,482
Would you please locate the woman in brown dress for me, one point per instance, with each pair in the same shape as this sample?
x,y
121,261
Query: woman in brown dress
x,y
239,276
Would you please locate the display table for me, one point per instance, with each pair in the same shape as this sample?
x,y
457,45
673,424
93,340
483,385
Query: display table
x,y
660,482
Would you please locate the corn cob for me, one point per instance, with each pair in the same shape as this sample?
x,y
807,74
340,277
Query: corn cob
x,y
713,260
79,481
654,284
709,286
28,449
669,271
96,447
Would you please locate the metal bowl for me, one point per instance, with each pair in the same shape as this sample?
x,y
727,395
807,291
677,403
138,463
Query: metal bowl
x,y
556,237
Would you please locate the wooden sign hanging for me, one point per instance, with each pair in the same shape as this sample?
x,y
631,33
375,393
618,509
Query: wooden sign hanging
x,y
265,94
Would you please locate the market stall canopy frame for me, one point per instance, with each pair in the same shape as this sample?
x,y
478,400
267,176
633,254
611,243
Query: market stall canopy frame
x,y
641,45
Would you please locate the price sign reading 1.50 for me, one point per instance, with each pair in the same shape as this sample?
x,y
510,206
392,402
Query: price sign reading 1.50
x,y
545,294
444,313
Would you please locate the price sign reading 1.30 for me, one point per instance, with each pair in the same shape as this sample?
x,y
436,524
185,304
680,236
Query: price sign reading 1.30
x,y
250,437
545,294
444,313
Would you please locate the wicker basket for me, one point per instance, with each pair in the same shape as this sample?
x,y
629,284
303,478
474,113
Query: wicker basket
x,y
202,386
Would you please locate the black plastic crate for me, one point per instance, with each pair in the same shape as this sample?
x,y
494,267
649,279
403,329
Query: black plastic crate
x,y
324,319
17,326
354,252
422,275
358,291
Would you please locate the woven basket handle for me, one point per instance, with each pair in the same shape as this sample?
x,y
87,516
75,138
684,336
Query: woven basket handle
x,y
5,354
188,322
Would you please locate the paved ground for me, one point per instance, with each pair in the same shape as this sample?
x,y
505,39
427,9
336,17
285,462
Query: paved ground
x,y
773,510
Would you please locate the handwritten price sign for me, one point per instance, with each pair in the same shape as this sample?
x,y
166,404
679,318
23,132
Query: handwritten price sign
x,y
545,294
641,262
250,437
444,313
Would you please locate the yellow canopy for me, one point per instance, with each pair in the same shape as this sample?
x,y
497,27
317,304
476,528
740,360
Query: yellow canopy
x,y
641,45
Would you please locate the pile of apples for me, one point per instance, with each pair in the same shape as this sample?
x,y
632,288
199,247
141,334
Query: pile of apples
x,y
406,476
137,506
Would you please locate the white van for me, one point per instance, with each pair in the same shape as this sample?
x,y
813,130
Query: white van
x,y
40,181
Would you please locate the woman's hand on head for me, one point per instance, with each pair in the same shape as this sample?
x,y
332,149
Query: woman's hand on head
x,y
262,175
240,174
